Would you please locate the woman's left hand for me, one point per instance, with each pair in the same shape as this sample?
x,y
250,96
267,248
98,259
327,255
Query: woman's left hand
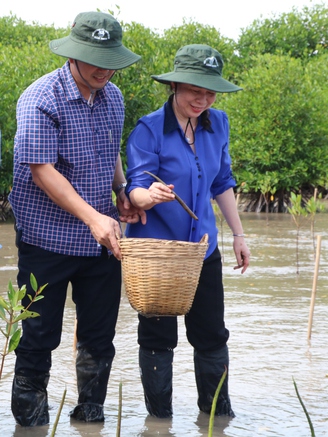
x,y
242,253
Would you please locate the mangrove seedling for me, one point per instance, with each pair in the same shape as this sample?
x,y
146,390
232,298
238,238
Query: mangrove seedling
x,y
12,312
54,429
297,211
214,402
313,205
304,409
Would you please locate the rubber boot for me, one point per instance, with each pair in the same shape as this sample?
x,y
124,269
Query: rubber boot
x,y
156,376
209,368
92,379
29,400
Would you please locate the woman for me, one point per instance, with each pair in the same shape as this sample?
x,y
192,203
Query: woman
x,y
185,143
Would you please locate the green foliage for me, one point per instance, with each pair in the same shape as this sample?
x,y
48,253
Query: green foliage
x,y
296,209
24,57
12,312
279,138
299,34
15,32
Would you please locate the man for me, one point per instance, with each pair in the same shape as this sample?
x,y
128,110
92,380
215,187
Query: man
x,y
66,164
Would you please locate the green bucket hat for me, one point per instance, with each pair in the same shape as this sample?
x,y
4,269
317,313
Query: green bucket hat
x,y
96,39
201,66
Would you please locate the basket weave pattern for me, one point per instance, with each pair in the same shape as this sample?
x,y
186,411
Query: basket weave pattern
x,y
161,276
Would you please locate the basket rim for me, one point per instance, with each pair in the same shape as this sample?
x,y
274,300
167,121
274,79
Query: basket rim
x,y
204,240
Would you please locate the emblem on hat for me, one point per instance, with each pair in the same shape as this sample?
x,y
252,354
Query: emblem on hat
x,y
101,34
211,62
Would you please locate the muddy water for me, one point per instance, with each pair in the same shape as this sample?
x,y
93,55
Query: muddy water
x,y
267,313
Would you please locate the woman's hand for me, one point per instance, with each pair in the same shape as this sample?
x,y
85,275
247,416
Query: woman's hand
x,y
242,253
159,193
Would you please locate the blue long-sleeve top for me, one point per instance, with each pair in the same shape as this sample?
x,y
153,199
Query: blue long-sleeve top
x,y
158,145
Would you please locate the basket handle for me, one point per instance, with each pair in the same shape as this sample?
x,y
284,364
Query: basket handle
x,y
204,239
178,198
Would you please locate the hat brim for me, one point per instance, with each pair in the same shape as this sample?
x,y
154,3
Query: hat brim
x,y
213,83
113,58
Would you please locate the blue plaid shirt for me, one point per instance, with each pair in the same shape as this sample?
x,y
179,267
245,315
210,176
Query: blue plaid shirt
x,y
56,125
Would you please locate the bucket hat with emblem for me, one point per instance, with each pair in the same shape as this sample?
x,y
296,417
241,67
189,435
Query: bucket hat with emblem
x,y
199,65
96,39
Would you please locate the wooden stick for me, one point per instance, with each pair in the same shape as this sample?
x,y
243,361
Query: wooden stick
x,y
184,206
314,286
75,336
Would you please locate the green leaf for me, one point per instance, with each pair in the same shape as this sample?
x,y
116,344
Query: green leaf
x,y
21,293
38,298
3,303
42,288
2,313
13,342
33,282
14,328
11,292
26,315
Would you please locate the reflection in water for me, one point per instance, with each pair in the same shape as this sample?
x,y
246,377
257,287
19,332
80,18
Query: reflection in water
x,y
267,313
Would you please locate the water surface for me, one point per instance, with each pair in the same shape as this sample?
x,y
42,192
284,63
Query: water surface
x,y
267,313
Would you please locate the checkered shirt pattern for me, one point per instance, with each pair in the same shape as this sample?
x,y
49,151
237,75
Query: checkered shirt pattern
x,y
56,125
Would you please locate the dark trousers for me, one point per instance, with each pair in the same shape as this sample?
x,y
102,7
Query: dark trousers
x,y
204,323
96,291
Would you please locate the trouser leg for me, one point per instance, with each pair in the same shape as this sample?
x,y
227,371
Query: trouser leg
x,y
92,379
97,296
209,368
208,335
156,377
157,337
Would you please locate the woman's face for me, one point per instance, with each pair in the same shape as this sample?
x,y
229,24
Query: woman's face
x,y
190,101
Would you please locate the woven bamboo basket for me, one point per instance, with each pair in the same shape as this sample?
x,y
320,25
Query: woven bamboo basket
x,y
161,276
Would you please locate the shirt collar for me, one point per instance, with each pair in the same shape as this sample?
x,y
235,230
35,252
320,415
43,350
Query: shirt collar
x,y
171,122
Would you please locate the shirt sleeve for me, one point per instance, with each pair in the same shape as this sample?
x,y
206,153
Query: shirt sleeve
x,y
37,134
224,179
142,155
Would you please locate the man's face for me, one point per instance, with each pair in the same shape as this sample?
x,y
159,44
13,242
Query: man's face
x,y
96,77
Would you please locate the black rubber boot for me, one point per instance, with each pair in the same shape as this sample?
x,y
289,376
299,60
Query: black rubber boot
x,y
92,379
156,376
29,400
209,368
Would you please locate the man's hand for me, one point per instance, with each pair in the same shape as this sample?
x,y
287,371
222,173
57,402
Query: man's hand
x,y
129,213
106,231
